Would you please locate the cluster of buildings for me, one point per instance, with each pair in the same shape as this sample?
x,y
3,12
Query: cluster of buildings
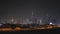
x,y
32,20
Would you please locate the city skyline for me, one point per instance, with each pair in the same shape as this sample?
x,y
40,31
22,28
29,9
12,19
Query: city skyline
x,y
23,8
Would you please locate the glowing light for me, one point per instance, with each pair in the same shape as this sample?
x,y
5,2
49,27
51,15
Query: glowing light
x,y
0,24
12,20
40,21
51,23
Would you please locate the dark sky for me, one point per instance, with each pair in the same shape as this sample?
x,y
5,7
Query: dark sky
x,y
24,8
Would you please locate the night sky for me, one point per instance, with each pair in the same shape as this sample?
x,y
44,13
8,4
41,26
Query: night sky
x,y
18,8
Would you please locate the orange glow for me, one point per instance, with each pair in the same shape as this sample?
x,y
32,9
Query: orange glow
x,y
18,28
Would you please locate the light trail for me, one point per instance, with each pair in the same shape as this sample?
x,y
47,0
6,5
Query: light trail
x,y
18,28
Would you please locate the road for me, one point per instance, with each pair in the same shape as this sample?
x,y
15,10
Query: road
x,y
18,28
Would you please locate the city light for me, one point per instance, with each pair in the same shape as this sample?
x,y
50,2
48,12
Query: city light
x,y
51,23
0,24
12,20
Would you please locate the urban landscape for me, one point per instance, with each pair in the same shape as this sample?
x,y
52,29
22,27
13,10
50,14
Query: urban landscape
x,y
29,15
33,23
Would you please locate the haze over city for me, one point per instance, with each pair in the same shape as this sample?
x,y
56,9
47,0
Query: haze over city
x,y
23,8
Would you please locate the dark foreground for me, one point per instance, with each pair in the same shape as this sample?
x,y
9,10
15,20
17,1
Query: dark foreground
x,y
35,31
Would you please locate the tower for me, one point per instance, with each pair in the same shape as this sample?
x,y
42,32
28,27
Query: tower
x,y
32,17
46,19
